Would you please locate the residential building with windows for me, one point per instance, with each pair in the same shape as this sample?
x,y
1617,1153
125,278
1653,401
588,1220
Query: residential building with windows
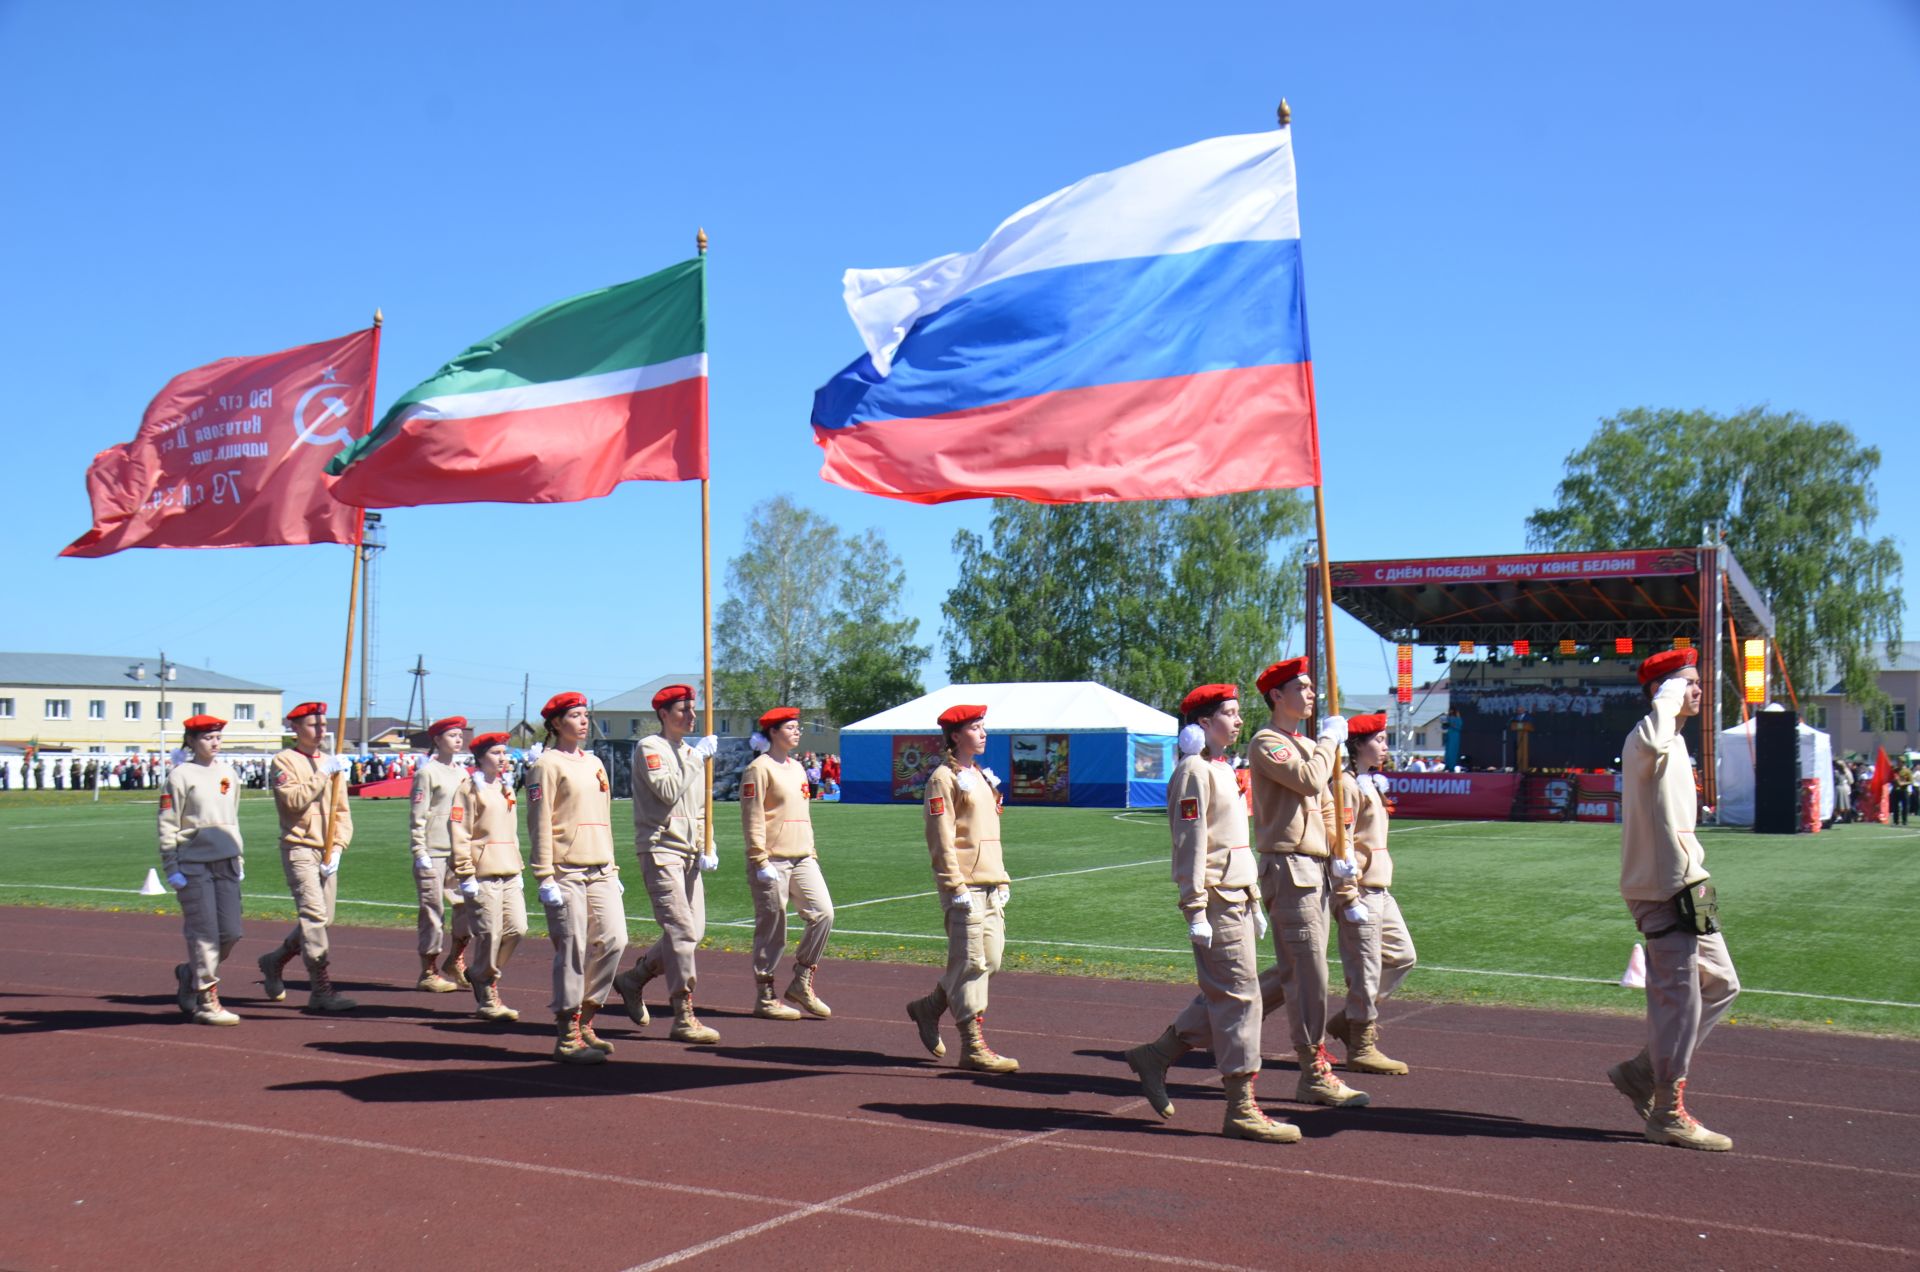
x,y
1853,728
105,705
629,716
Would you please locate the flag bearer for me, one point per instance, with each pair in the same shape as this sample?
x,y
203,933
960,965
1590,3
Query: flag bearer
x,y
1219,886
435,810
200,850
1294,832
1691,983
781,863
669,834
569,803
1376,953
486,859
310,794
962,807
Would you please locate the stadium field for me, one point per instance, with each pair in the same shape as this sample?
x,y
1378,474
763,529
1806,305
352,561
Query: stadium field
x,y
1821,927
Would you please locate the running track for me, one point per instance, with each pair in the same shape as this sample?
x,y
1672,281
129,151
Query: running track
x,y
407,1135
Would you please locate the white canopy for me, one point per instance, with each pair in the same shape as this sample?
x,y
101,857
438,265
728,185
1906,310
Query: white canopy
x,y
1734,765
1065,706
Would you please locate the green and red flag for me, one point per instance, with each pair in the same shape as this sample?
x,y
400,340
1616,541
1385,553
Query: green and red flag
x,y
565,404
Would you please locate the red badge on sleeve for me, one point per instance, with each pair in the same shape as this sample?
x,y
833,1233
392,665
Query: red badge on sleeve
x,y
166,800
282,777
533,792
602,776
458,814
937,806
1189,810
747,790
653,764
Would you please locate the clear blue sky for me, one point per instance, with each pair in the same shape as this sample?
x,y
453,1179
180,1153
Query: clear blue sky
x,y
1518,219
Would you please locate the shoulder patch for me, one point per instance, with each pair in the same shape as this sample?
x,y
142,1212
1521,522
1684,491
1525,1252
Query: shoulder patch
x,y
653,762
419,793
1189,810
937,806
748,790
533,792
166,800
601,776
1279,754
281,777
458,814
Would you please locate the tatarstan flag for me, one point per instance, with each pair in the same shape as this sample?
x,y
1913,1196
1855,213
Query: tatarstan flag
x,y
565,404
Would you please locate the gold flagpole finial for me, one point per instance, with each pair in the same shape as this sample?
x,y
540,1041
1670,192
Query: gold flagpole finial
x,y
378,318
701,239
1286,113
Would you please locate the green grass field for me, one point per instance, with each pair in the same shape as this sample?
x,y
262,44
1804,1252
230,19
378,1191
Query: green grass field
x,y
1823,928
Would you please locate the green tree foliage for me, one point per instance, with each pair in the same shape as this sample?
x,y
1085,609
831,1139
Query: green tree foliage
x,y
811,618
1795,500
1149,598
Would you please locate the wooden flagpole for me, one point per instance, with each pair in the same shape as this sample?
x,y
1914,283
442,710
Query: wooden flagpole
x,y
338,795
706,578
1332,695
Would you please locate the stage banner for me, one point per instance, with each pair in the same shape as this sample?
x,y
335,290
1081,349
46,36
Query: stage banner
x,y
1596,797
914,756
1040,768
1560,565
1454,796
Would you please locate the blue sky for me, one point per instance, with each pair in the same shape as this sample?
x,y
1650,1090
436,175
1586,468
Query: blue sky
x,y
1517,219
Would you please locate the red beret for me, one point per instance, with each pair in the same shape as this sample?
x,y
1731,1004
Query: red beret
x,y
204,724
486,740
561,703
954,717
1280,673
671,694
1361,725
1206,696
779,715
438,727
306,709
1666,662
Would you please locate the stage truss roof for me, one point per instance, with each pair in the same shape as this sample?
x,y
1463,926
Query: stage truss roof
x,y
1650,595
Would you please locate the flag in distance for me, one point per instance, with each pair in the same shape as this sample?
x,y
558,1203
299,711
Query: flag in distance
x,y
564,404
1141,334
233,454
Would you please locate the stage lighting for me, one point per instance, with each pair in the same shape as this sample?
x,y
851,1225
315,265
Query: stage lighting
x,y
1522,647
1623,645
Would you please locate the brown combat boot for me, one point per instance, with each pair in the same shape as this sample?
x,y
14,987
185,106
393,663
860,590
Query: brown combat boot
x,y
686,1025
1150,1062
925,1015
569,1047
271,964
488,1005
208,1011
1364,1054
1672,1124
455,967
430,979
183,991
976,1055
1634,1079
766,1006
800,993
588,1011
1244,1119
1318,1085
321,995
629,985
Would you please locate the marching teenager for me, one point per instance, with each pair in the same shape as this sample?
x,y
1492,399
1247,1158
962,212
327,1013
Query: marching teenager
x,y
1294,830
1376,953
568,806
486,860
434,809
669,834
782,864
200,850
309,793
1219,885
962,807
1691,983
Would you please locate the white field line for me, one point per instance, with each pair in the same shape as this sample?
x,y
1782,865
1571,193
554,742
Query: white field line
x,y
920,896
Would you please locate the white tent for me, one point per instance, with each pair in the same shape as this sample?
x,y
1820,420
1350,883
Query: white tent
x,y
1734,764
1079,705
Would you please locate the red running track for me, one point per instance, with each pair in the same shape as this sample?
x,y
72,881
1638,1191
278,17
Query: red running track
x,y
409,1135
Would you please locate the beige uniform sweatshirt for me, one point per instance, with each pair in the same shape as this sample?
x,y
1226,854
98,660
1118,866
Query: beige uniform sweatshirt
x,y
1659,853
569,803
436,788
199,815
301,785
775,818
963,828
486,833
1208,816
669,797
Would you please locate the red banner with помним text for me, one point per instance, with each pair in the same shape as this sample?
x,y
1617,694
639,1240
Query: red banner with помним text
x,y
233,454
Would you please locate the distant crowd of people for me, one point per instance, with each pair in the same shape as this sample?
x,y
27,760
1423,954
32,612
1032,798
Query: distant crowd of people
x,y
99,772
1856,799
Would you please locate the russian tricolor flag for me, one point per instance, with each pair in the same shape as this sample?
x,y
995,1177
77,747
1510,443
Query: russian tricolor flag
x,y
1141,334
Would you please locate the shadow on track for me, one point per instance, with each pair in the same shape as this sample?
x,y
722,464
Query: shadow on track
x,y
543,1080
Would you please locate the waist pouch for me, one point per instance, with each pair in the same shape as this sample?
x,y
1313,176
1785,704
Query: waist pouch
x,y
1698,908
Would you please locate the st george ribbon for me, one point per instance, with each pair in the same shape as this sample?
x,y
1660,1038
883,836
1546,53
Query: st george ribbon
x,y
1141,334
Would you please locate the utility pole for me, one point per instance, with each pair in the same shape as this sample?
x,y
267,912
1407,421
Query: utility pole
x,y
372,541
526,680
419,674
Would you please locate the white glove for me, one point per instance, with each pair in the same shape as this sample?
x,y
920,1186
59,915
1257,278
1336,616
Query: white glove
x,y
963,899
1003,894
1334,727
422,863
1259,921
339,764
766,874
993,778
706,746
239,870
333,867
176,880
1193,740
550,893
1672,690
709,862
620,885
1200,932
1355,913
469,888
1343,867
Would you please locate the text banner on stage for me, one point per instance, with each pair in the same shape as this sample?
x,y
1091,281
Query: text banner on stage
x,y
233,455
1514,569
1454,796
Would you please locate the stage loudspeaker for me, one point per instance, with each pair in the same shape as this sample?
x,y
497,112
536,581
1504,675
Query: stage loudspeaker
x,y
1776,773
